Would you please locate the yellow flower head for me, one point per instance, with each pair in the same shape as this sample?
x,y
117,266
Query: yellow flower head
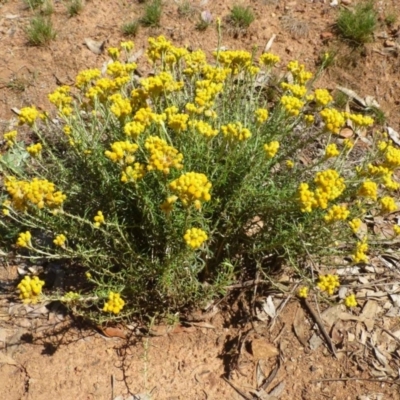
x,y
261,115
98,219
195,237
303,292
328,283
30,289
271,149
336,213
350,301
355,224
60,240
28,115
114,303
191,187
35,149
331,151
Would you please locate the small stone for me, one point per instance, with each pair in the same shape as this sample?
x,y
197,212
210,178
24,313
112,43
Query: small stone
x,y
326,35
263,350
389,43
346,2
289,49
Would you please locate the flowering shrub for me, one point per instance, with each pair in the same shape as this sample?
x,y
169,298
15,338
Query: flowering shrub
x,y
152,185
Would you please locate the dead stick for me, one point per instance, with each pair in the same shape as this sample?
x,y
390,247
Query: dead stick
x,y
236,389
271,377
321,327
389,333
357,379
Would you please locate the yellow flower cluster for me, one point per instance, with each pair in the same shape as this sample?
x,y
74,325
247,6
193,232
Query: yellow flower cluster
x,y
296,90
368,189
360,255
98,219
101,89
299,73
120,72
192,188
269,59
261,115
30,289
386,174
162,156
120,106
113,52
350,301
215,73
62,100
329,186
146,117
206,92
24,239
309,119
86,76
178,122
195,237
292,104
128,45
322,97
114,303
134,129
60,240
203,128
333,119
336,213
355,224
396,230
388,204
163,83
28,115
360,120
133,174
157,48
392,157
39,192
122,152
34,149
289,164
235,131
271,148
328,283
235,60
303,292
10,137
194,61
168,205
331,151
348,144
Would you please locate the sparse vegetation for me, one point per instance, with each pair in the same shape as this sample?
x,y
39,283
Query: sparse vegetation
x,y
40,31
130,28
340,99
390,19
152,13
359,24
241,17
74,7
205,20
34,4
296,27
185,8
47,8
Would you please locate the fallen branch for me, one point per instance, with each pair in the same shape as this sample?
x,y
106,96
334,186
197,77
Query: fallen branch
x,y
321,326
